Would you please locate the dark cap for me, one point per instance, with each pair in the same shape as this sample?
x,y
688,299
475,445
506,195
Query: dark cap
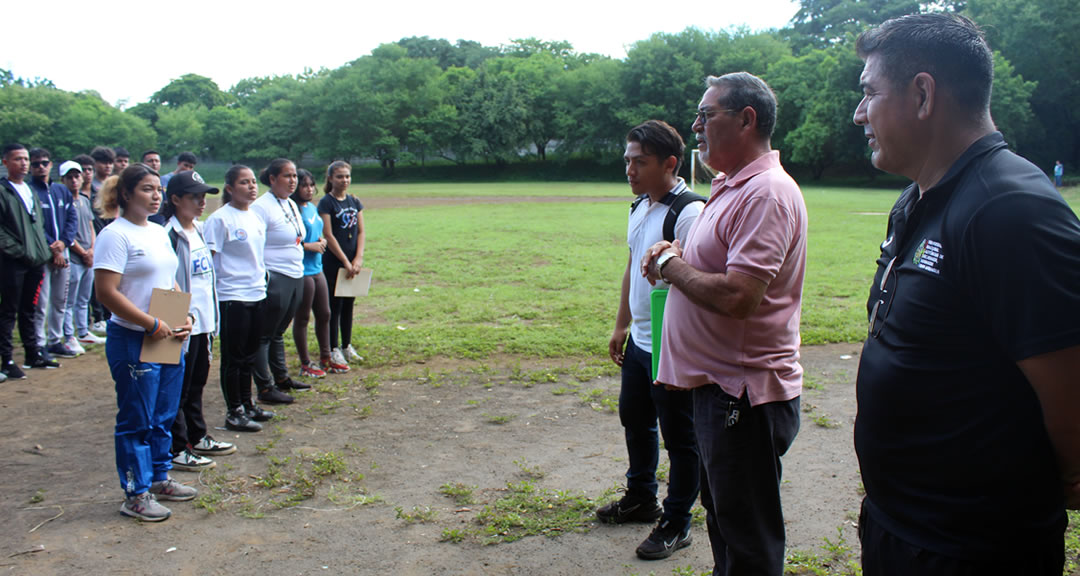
x,y
188,182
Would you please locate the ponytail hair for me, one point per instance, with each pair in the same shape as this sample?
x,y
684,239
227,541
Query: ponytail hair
x,y
108,203
275,168
230,179
334,167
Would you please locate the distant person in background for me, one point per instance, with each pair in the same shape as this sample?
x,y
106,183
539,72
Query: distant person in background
x,y
343,215
1059,173
23,254
61,222
185,201
284,258
316,297
81,278
104,158
184,162
123,158
133,258
237,238
152,159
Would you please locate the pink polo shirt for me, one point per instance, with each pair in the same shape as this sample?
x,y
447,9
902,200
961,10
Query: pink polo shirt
x,y
754,224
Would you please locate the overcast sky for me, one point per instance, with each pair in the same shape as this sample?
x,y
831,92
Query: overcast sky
x,y
128,50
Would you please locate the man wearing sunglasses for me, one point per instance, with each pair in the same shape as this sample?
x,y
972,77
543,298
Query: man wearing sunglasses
x,y
60,221
23,254
967,432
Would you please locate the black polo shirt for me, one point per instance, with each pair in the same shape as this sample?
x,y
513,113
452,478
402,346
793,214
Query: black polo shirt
x,y
985,271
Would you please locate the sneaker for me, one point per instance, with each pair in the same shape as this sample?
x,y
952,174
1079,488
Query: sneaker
x,y
329,365
273,395
91,338
238,421
210,447
12,371
628,509
145,507
60,349
40,360
663,542
3,377
100,327
290,384
191,462
337,357
353,356
258,414
312,371
169,489
73,343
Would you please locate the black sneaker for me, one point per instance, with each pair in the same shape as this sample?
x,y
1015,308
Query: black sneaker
x,y
12,371
258,414
272,395
290,384
663,542
238,420
41,359
629,509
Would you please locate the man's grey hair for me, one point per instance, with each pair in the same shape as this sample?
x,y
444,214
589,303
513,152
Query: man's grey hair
x,y
742,89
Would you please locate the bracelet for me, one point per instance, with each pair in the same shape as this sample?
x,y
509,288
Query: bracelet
x,y
157,323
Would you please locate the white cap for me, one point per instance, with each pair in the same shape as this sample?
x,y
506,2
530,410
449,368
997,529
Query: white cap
x,y
69,166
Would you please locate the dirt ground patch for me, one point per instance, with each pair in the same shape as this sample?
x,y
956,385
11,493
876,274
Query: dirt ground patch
x,y
348,482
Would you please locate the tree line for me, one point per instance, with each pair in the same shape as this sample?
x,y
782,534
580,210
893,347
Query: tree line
x,y
421,100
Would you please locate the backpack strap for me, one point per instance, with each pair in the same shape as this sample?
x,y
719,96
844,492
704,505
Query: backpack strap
x,y
676,203
634,204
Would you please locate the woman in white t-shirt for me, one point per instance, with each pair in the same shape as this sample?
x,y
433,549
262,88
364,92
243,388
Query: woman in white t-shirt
x,y
185,200
133,257
236,238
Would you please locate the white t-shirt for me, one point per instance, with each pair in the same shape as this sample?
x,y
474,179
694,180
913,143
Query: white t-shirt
x,y
284,231
143,256
202,284
237,238
26,194
645,228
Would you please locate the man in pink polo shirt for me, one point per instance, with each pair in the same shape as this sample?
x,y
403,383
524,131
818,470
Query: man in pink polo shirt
x,y
731,323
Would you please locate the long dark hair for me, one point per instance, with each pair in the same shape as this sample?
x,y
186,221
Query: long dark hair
x,y
230,179
275,168
333,167
301,176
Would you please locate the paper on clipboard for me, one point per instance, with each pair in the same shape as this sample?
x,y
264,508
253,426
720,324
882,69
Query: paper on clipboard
x,y
172,308
352,287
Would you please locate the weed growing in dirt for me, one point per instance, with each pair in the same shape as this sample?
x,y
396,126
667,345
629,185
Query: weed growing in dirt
x,y
560,390
840,559
697,516
38,496
423,515
1072,542
498,418
528,510
454,535
527,470
824,421
460,493
598,400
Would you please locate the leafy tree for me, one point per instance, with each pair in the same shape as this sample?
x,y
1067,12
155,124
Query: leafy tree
x,y
191,89
181,129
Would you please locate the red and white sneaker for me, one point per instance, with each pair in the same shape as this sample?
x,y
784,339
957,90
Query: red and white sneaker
x,y
312,371
329,365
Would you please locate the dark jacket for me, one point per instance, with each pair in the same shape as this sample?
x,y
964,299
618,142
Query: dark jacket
x,y
57,198
22,237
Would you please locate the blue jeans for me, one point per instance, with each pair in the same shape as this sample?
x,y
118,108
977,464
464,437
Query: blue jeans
x,y
640,406
147,396
80,283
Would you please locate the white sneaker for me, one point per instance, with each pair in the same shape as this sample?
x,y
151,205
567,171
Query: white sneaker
x,y
101,327
353,356
337,357
91,338
73,343
187,460
210,447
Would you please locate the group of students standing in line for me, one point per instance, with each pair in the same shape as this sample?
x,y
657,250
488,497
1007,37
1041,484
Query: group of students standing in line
x,y
253,267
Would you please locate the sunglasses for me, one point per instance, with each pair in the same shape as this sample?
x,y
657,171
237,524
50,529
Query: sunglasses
x,y
40,163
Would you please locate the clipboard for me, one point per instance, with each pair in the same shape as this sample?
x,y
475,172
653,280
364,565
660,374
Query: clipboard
x,y
358,285
172,308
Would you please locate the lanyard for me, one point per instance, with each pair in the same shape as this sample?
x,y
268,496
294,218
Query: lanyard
x,y
293,219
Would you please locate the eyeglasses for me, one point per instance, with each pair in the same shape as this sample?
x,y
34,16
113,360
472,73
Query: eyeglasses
x,y
706,114
40,163
885,299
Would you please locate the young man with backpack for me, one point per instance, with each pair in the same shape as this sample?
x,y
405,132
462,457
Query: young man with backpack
x,y
664,209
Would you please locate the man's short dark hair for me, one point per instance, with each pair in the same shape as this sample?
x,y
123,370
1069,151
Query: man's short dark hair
x,y
83,160
743,89
121,152
103,154
658,138
147,153
39,153
949,47
9,148
187,157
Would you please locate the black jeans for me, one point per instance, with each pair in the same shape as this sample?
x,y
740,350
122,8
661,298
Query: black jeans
x,y
19,286
740,481
341,309
283,295
241,324
883,554
640,405
189,424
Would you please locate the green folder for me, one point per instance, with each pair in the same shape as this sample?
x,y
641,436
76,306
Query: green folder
x,y
656,313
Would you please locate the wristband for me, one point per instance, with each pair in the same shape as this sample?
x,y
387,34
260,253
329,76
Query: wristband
x,y
156,324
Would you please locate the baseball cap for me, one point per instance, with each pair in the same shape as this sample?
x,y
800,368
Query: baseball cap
x,y
69,166
188,182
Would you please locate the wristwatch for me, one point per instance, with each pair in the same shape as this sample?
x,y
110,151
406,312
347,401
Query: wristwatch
x,y
661,261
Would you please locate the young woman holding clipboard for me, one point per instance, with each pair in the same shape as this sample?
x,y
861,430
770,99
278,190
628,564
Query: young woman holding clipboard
x,y
343,215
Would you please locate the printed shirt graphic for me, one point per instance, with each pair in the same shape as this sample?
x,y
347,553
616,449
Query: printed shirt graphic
x,y
202,285
928,256
344,221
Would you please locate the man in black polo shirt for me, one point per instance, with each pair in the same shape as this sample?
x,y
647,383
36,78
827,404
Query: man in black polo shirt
x,y
968,430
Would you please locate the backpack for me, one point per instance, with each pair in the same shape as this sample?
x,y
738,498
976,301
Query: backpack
x,y
675,204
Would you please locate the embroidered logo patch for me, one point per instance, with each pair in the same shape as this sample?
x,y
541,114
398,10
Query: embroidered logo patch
x,y
241,235
928,256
